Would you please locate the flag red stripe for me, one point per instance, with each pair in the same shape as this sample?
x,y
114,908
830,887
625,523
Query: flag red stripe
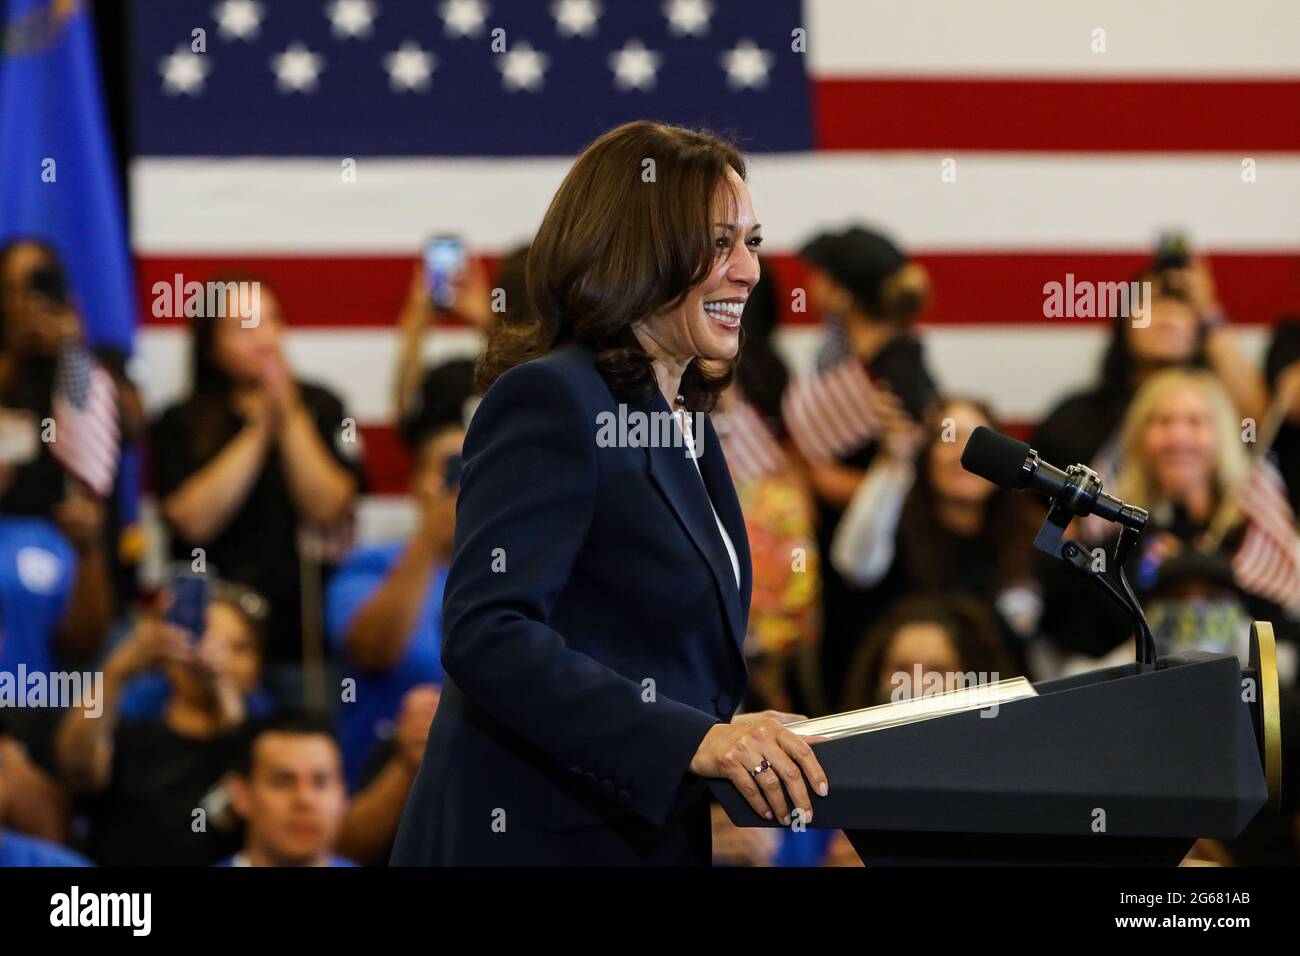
x,y
1004,287
1057,115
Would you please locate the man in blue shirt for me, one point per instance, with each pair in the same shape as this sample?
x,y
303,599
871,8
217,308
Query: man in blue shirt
x,y
289,791
384,607
37,570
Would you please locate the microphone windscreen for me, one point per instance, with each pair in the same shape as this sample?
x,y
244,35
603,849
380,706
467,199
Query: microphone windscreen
x,y
995,457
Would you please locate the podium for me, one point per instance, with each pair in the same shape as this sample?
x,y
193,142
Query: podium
x,y
1129,765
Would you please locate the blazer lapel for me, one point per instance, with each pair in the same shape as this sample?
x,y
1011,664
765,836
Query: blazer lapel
x,y
674,472
722,492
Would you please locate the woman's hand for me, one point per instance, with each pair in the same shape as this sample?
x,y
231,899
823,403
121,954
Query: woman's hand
x,y
153,644
81,519
418,311
901,437
736,750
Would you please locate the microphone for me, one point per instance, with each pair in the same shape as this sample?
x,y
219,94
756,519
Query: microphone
x,y
1012,464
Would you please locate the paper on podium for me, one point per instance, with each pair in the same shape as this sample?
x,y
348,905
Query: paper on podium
x,y
882,716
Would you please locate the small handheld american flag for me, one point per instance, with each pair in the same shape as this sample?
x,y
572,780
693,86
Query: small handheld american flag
x,y
86,436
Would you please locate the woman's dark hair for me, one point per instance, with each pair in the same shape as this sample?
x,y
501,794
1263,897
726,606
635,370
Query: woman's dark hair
x,y
1118,365
929,554
512,279
296,723
208,410
628,234
8,249
970,625
32,389
251,606
761,373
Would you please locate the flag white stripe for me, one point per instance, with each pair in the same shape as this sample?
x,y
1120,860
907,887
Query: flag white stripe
x,y
1029,37
999,201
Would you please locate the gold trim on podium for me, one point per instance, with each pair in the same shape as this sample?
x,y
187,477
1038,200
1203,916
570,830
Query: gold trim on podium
x,y
1263,661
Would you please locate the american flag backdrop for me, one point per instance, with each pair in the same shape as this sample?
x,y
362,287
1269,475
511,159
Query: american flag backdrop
x,y
1006,143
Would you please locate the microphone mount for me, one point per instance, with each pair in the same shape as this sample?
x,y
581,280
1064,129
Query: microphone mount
x,y
1078,496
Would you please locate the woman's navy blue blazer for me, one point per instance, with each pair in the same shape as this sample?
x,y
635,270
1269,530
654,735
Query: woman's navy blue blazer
x,y
592,634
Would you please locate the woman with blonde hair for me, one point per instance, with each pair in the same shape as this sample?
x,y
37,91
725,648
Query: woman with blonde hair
x,y
1182,445
1185,459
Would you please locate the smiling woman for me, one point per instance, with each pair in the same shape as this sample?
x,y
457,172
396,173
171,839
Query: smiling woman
x,y
650,236
585,704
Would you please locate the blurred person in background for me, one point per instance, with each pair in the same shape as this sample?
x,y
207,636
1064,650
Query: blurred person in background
x,y
288,789
784,613
822,300
37,496
930,633
35,801
376,809
249,460
146,780
56,593
384,606
920,522
1183,458
20,849
428,397
829,414
947,641
1282,372
1185,326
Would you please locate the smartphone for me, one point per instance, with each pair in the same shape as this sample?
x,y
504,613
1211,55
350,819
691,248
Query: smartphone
x,y
451,472
444,260
48,281
188,610
1172,252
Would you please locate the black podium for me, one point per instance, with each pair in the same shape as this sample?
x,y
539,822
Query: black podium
x,y
1127,765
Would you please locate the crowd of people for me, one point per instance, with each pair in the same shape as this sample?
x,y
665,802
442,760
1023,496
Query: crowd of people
x,y
286,728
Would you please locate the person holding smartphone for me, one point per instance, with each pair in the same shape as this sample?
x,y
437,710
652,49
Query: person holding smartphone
x,y
449,282
142,777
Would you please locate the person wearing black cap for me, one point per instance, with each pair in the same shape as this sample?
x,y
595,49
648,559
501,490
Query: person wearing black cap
x,y
1282,370
834,346
836,415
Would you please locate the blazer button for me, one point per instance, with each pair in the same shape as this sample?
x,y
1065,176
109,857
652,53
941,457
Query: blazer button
x,y
725,708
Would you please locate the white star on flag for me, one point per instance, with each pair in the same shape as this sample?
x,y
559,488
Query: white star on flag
x,y
184,71
409,67
574,18
297,69
634,66
688,17
522,68
746,66
463,18
351,18
238,19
